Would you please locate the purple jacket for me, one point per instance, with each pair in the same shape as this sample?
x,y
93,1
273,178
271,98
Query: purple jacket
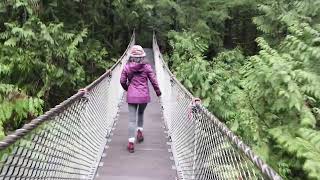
x,y
134,79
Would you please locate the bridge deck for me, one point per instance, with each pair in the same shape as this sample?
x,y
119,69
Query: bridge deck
x,y
150,159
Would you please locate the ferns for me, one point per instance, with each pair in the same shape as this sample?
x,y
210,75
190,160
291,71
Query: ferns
x,y
15,107
270,99
41,62
305,144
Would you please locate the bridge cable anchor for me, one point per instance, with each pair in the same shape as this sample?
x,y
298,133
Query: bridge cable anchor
x,y
85,93
194,107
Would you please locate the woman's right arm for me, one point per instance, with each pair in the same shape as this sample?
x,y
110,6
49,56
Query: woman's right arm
x,y
123,79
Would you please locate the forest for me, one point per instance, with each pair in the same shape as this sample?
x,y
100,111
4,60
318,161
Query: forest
x,y
254,63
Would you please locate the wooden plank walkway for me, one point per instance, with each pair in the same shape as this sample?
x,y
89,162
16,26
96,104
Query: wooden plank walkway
x,y
150,161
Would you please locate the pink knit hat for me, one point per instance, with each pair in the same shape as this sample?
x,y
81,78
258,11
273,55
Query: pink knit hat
x,y
137,51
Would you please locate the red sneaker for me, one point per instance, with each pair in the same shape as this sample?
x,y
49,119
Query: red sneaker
x,y
139,136
131,147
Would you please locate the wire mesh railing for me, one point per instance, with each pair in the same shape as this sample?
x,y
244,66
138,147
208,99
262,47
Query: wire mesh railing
x,y
66,142
203,148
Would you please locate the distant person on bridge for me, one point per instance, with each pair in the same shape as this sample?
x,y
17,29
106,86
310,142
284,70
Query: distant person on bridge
x,y
134,79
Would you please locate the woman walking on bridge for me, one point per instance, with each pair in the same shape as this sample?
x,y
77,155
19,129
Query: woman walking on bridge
x,y
134,79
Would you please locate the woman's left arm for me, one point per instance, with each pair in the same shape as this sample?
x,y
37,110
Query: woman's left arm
x,y
153,79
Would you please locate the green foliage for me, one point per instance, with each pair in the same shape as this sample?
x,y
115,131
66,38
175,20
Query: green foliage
x,y
42,62
270,99
186,46
281,88
38,50
15,107
217,82
304,144
254,63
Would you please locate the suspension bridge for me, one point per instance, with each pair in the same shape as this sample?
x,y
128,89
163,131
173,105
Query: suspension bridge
x,y
85,137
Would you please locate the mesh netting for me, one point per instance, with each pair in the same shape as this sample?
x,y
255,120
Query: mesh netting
x,y
67,142
203,148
